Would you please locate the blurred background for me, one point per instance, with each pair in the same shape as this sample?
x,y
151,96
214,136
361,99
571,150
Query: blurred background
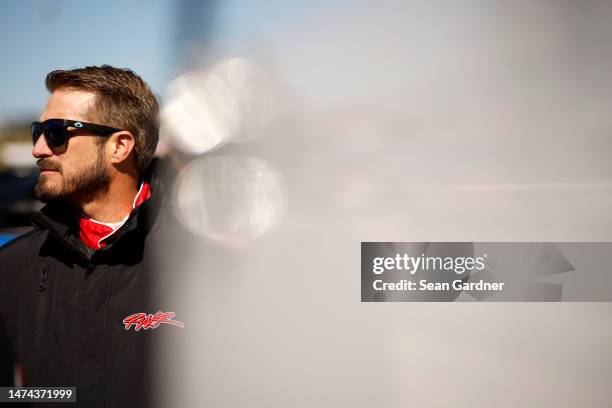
x,y
298,130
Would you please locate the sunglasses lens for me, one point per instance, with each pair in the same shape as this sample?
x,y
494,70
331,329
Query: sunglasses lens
x,y
55,134
36,132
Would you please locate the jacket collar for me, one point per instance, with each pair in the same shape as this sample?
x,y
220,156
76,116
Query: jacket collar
x,y
96,235
62,221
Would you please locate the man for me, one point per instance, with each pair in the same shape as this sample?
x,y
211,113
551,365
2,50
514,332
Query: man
x,y
72,290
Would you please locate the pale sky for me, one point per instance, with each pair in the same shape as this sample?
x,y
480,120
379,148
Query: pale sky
x,y
41,35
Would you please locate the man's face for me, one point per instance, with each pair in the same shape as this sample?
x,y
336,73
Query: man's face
x,y
78,169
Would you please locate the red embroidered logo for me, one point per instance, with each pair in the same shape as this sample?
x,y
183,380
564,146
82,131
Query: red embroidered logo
x,y
150,321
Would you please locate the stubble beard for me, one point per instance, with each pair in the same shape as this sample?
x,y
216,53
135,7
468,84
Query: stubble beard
x,y
89,181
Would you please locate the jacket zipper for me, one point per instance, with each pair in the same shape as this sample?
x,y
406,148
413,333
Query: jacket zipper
x,y
42,309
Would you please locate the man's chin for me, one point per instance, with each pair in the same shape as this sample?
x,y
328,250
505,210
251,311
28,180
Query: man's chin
x,y
46,192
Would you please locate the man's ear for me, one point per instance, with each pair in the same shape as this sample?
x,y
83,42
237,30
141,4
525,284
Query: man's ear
x,y
119,146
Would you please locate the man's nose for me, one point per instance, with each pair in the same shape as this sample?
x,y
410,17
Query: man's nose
x,y
40,148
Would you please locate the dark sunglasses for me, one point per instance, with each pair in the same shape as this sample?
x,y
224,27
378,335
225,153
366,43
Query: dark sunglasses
x,y
56,131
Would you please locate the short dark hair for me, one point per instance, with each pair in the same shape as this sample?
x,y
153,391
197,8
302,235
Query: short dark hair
x,y
123,101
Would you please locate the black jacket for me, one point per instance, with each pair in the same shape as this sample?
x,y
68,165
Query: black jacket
x,y
62,309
